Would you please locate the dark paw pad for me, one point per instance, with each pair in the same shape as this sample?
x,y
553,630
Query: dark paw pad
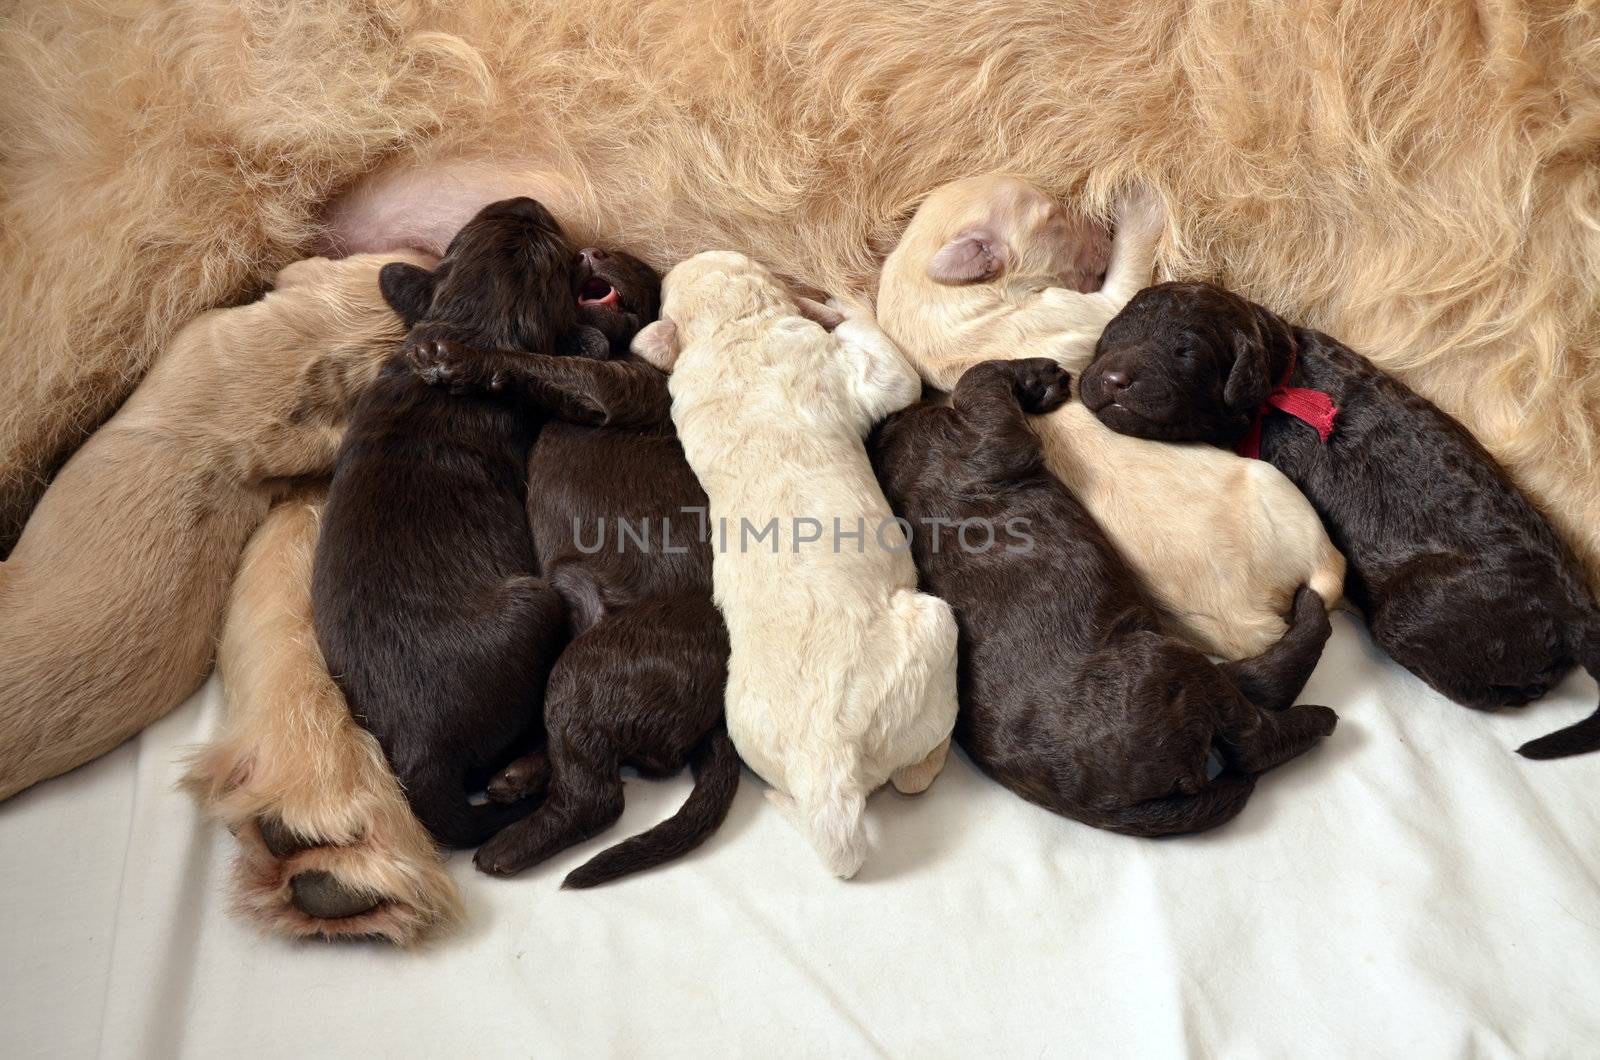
x,y
1042,386
439,362
320,894
280,841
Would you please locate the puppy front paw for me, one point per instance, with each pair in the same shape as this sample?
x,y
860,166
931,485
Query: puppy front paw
x,y
499,856
1041,385
454,366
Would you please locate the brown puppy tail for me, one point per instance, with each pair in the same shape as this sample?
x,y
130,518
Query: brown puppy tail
x,y
1583,736
715,765
1219,801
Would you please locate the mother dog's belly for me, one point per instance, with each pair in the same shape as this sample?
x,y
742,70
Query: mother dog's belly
x,y
422,206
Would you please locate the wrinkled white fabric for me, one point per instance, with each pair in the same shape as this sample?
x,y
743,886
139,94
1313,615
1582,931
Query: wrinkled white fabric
x,y
1410,888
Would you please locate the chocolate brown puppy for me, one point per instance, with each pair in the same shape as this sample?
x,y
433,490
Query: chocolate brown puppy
x,y
1071,696
1463,581
427,604
616,517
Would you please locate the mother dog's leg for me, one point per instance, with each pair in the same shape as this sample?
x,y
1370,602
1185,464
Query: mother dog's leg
x,y
328,845
110,604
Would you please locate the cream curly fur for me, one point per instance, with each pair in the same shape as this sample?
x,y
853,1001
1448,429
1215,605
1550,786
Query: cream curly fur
x,y
842,676
290,750
1221,542
1418,178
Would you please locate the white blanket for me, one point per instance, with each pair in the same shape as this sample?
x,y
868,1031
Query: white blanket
x,y
1410,888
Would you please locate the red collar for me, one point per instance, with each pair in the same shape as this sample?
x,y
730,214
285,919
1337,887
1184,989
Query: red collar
x,y
1304,404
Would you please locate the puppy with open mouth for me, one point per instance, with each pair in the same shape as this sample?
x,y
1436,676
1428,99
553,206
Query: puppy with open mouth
x,y
428,606
641,681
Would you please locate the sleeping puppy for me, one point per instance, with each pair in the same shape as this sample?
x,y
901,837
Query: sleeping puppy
x,y
985,270
612,503
1071,695
842,675
1463,581
428,609
111,602
327,843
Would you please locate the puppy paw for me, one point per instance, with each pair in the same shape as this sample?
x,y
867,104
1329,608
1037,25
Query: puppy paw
x,y
1324,720
525,778
499,856
584,341
453,366
1312,611
1041,384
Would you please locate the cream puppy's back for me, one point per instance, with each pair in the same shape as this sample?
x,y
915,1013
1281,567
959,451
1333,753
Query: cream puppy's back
x,y
841,675
1222,543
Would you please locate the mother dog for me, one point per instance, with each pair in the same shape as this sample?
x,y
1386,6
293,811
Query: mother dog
x,y
1425,174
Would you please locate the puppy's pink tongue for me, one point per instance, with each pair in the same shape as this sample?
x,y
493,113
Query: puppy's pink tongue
x,y
599,295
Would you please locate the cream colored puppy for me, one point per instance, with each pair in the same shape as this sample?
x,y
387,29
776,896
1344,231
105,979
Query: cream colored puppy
x,y
842,675
1221,542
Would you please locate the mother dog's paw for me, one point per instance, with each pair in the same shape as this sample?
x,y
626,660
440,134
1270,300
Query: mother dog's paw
x,y
321,894
351,863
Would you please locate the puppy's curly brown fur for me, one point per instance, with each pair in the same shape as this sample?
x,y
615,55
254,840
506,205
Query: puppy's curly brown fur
x,y
1071,695
1463,581
428,606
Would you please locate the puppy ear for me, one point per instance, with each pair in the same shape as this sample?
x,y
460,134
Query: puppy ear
x,y
818,313
658,344
1257,348
408,290
973,255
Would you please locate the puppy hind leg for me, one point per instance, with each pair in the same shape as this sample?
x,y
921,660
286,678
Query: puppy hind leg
x,y
1219,801
916,779
584,799
438,796
526,778
928,679
1252,740
1274,678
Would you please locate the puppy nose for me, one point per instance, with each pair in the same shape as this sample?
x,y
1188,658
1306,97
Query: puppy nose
x,y
1116,380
